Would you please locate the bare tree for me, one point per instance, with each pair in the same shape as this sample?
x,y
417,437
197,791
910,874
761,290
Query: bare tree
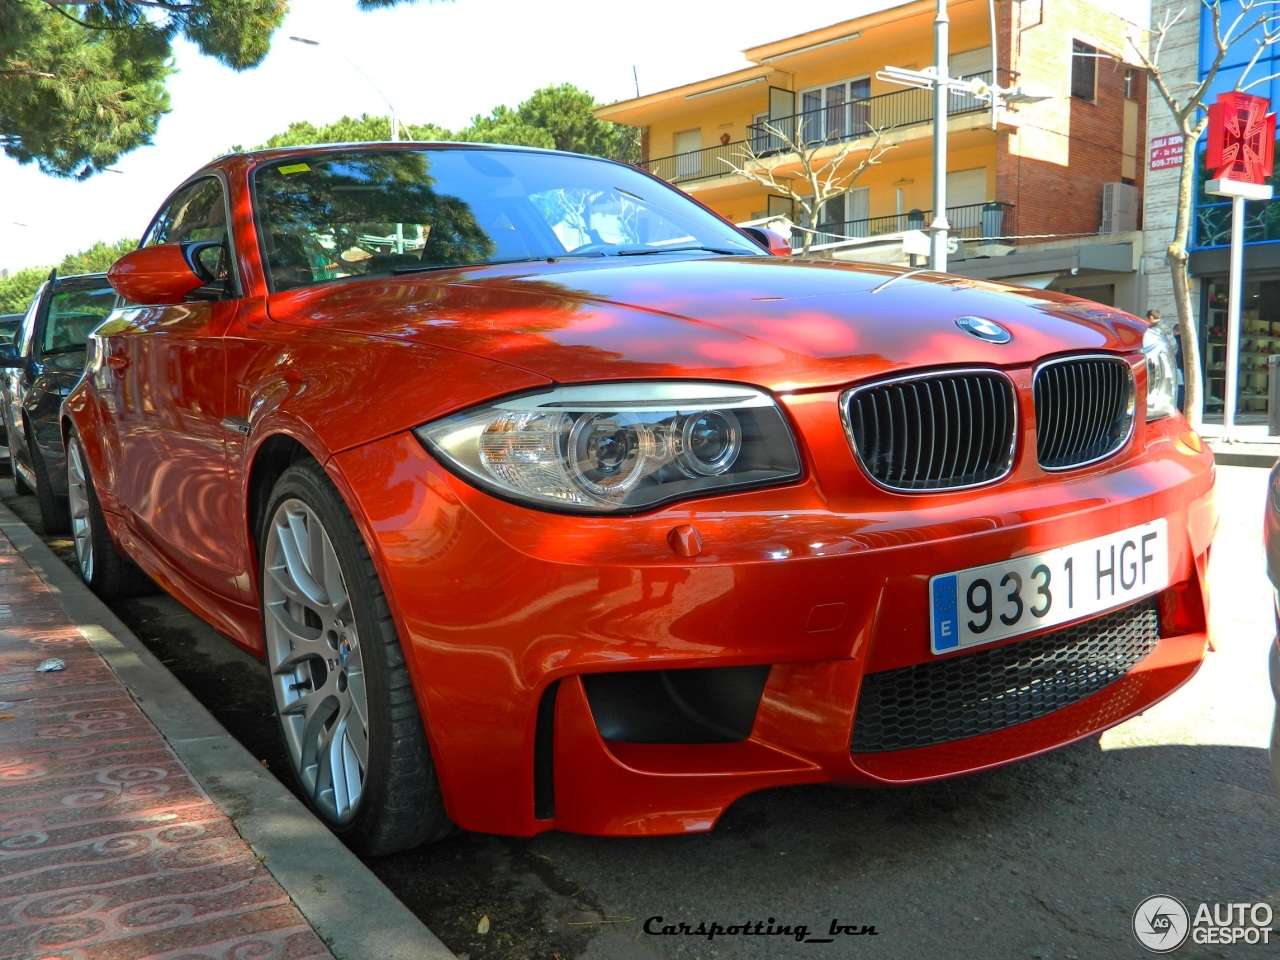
x,y
826,171
1186,102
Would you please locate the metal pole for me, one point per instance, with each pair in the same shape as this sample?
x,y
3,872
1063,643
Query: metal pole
x,y
995,66
938,228
1234,295
395,121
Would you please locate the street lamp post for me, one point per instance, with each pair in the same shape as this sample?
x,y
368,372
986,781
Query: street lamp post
x,y
395,122
941,92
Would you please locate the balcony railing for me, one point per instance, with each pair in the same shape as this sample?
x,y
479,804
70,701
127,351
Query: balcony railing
x,y
974,221
835,124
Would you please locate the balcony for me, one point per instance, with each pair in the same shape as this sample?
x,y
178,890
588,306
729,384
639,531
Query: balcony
x,y
979,222
829,125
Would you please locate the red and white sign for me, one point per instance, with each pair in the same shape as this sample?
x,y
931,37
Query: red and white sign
x,y
1242,138
1166,152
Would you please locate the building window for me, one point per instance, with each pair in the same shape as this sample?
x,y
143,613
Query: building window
x,y
1084,70
835,112
688,155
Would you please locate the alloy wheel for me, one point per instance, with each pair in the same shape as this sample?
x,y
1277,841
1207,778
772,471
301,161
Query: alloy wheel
x,y
81,514
314,657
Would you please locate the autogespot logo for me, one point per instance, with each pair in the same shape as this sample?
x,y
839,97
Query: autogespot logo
x,y
1161,924
984,329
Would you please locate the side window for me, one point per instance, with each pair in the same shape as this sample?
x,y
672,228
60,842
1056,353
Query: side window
x,y
195,213
73,314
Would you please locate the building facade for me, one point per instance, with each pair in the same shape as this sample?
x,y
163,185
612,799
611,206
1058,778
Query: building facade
x,y
1043,187
1186,56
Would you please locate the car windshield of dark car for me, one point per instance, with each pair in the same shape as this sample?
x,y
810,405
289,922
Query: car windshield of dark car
x,y
376,211
73,314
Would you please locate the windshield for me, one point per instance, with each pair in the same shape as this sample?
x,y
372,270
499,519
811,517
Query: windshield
x,y
359,212
75,311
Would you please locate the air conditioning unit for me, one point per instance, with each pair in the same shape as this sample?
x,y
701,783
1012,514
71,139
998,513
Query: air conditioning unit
x,y
1119,208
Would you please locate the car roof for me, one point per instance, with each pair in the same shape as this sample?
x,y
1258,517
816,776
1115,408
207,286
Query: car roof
x,y
272,153
82,280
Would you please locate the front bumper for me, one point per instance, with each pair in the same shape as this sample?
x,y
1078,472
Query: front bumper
x,y
508,616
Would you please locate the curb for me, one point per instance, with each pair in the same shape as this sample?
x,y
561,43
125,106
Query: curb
x,y
347,906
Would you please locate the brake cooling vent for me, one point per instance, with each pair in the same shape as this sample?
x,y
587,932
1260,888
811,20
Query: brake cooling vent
x,y
989,690
936,432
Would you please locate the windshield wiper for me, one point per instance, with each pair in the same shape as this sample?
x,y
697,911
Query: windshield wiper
x,y
645,251
421,267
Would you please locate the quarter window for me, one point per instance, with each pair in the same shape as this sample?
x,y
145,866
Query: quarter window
x,y
195,213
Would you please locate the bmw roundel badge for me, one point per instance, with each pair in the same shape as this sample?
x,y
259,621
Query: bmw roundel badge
x,y
984,329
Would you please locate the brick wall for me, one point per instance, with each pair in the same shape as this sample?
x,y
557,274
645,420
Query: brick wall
x,y
1054,164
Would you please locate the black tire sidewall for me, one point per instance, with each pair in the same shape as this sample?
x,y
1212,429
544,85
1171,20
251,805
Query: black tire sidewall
x,y
380,654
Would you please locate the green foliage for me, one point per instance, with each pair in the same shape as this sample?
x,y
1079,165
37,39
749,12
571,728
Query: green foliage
x,y
559,118
97,259
17,290
362,129
73,98
81,84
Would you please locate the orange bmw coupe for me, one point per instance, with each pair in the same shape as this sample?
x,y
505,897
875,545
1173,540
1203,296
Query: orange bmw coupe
x,y
551,500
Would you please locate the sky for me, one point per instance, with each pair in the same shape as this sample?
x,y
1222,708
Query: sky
x,y
442,62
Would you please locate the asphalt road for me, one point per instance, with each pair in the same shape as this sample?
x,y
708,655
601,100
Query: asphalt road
x,y
1046,859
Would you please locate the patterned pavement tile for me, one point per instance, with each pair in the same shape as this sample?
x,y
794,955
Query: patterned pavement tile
x,y
109,848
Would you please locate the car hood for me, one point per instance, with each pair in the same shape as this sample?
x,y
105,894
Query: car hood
x,y
780,323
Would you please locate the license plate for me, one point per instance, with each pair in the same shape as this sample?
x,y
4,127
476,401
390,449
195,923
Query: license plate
x,y
981,605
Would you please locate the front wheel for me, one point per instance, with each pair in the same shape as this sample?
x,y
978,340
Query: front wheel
x,y
108,573
346,706
54,514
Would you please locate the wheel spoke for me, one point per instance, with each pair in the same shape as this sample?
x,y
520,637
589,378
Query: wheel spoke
x,y
294,542
280,576
302,640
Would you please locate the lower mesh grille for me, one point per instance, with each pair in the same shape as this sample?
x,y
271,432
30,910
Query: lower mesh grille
x,y
990,690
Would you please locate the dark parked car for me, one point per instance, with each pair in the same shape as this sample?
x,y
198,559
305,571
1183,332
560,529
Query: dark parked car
x,y
8,327
38,367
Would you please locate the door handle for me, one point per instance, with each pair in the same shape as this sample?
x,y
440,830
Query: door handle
x,y
118,362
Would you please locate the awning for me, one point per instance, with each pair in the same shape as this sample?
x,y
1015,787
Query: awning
x,y
1040,268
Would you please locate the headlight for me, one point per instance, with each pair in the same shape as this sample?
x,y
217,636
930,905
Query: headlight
x,y
618,448
1162,374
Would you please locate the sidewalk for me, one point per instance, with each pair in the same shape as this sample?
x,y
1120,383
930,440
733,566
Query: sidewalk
x,y
132,826
1250,445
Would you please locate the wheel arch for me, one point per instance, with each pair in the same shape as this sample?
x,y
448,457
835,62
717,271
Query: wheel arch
x,y
272,458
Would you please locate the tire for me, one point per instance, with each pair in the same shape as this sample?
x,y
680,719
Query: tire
x,y
347,710
55,515
109,574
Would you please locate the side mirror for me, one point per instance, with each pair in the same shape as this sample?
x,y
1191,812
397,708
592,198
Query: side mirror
x,y
166,273
771,240
9,355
